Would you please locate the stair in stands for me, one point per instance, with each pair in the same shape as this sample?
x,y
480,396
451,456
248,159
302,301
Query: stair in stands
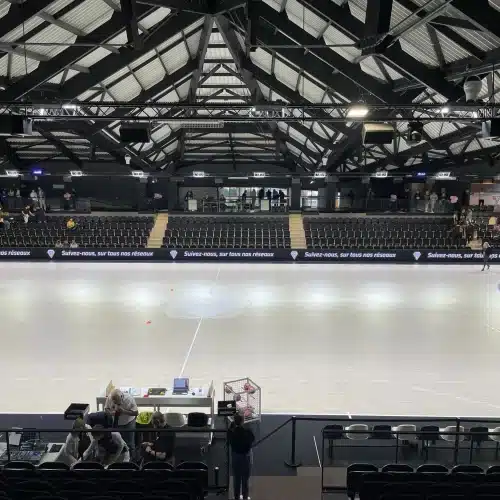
x,y
297,234
158,232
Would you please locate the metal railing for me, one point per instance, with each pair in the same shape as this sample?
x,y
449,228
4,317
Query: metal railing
x,y
238,205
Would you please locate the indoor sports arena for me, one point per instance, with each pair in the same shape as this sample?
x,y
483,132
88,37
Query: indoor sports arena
x,y
249,249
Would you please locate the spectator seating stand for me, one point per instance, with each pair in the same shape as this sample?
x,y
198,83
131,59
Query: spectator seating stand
x,y
367,232
227,232
90,231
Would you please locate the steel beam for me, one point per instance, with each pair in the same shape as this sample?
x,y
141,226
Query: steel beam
x,y
129,12
481,13
378,19
70,56
348,79
19,13
342,19
59,144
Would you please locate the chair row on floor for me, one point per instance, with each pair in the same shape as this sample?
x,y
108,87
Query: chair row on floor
x,y
427,481
125,242
224,243
22,481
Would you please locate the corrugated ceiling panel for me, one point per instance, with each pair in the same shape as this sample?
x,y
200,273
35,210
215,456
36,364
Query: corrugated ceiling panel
x,y
333,36
310,91
451,51
194,43
94,57
369,66
488,143
311,23
171,96
116,76
275,4
88,16
171,41
457,147
175,58
262,59
475,145
143,59
53,34
155,17
171,147
18,31
183,89
223,80
319,130
161,133
19,64
150,74
285,74
218,53
126,90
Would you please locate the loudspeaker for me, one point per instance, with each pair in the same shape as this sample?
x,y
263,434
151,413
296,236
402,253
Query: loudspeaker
x,y
495,127
15,125
377,133
135,132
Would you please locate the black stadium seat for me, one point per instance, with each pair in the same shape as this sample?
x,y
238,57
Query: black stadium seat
x,y
227,232
90,232
380,232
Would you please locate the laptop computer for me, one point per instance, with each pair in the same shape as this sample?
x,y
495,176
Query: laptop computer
x,y
181,386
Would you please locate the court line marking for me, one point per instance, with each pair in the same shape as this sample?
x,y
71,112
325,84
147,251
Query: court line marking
x,y
317,451
186,359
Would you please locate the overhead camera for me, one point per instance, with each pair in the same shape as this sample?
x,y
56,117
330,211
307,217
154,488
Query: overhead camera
x,y
127,159
415,133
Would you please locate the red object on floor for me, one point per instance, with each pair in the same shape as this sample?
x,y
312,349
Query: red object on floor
x,y
148,322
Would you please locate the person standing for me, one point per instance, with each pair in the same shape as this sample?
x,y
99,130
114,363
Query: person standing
x,y
241,441
486,255
253,197
433,200
27,213
41,199
123,408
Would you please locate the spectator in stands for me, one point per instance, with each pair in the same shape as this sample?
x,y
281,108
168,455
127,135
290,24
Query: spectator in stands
x,y
72,451
241,441
71,224
67,197
40,215
269,195
393,202
11,192
468,216
4,224
65,244
486,254
27,213
107,447
465,198
281,195
124,409
41,199
261,196
433,198
58,244
163,448
34,198
73,244
253,197
350,196
244,198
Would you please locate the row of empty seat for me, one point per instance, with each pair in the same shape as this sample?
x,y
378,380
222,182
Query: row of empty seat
x,y
429,481
90,231
156,480
227,232
380,233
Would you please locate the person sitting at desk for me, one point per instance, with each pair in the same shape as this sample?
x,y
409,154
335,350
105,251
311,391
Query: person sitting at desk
x,y
77,439
163,448
107,447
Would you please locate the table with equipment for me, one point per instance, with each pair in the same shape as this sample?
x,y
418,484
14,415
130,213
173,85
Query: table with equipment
x,y
158,397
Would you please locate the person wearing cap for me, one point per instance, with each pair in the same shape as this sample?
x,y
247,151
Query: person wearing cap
x,y
123,408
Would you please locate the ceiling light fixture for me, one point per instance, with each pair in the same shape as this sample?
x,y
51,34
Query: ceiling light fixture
x,y
357,111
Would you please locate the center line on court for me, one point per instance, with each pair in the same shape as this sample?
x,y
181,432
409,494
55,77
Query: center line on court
x,y
196,332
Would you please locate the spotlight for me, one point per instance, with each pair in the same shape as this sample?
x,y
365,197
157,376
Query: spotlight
x,y
445,110
357,111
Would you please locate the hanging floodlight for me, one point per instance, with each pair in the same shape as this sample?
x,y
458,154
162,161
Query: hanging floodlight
x,y
357,111
415,133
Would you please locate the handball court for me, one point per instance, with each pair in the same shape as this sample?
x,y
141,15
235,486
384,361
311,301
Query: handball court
x,y
318,339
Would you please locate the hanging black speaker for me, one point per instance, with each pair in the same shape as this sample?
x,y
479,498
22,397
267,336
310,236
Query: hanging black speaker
x,y
135,132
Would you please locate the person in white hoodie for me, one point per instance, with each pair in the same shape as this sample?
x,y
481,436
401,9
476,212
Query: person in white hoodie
x,y
433,199
70,453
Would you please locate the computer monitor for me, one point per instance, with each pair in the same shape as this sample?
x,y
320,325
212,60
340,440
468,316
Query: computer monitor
x,y
181,386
